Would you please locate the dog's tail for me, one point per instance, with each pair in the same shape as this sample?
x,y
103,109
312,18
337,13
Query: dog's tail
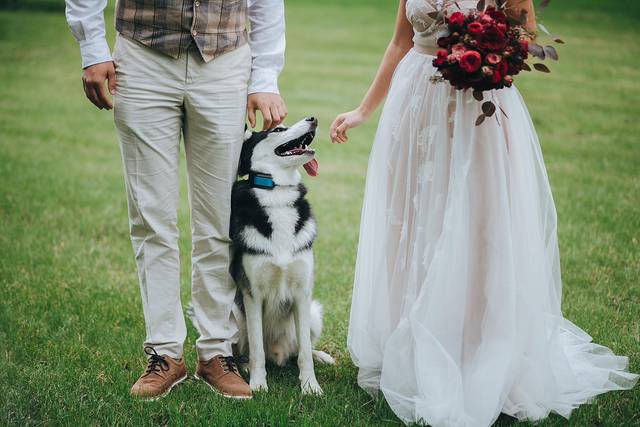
x,y
316,321
316,330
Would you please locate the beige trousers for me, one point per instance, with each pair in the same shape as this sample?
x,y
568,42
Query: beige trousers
x,y
158,98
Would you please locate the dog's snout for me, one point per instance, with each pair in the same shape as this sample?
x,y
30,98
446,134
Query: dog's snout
x,y
312,120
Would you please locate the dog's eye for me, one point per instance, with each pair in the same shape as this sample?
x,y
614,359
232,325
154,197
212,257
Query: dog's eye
x,y
278,129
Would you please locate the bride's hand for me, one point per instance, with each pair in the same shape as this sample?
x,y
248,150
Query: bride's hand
x,y
342,123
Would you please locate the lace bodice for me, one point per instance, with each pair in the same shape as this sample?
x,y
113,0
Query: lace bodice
x,y
426,30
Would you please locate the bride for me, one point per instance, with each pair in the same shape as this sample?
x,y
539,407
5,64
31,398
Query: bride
x,y
456,305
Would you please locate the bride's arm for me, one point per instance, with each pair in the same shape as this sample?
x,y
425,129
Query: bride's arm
x,y
397,49
515,8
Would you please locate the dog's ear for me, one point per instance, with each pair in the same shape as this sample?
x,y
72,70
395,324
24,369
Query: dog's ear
x,y
250,141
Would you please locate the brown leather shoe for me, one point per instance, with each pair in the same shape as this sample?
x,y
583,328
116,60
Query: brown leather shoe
x,y
221,374
162,374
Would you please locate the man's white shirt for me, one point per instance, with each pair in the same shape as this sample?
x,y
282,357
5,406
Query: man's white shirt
x,y
266,38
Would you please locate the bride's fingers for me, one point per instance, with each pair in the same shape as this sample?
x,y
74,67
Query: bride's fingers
x,y
333,133
341,132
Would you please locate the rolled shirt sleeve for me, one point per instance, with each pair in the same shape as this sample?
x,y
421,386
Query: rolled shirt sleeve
x,y
267,40
86,20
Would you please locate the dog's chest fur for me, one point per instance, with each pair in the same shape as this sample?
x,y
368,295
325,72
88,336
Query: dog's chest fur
x,y
276,223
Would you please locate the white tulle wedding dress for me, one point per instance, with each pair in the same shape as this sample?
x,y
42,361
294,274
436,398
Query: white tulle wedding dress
x,y
456,305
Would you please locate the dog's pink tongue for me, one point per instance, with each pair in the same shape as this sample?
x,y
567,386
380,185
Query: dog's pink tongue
x,y
311,167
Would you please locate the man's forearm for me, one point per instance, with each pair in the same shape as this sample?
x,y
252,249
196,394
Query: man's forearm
x,y
86,20
267,40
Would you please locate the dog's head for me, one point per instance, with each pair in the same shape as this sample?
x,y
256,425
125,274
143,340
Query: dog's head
x,y
280,150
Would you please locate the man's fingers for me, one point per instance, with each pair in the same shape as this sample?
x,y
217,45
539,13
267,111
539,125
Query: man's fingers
x,y
282,110
251,115
102,96
276,118
112,81
266,118
91,95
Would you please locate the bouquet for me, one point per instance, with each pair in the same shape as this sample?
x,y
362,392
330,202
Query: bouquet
x,y
484,49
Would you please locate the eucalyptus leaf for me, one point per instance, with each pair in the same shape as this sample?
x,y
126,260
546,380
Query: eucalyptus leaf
x,y
480,119
543,28
541,67
488,108
558,40
551,52
481,5
536,50
477,94
526,66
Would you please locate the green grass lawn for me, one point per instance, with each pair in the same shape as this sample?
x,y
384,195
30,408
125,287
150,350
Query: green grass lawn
x,y
71,323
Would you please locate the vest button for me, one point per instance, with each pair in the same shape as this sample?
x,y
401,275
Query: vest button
x,y
194,33
197,3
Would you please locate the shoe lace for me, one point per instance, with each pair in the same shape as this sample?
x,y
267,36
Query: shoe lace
x,y
156,363
229,363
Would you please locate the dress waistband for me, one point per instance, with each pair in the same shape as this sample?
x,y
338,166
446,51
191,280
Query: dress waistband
x,y
425,50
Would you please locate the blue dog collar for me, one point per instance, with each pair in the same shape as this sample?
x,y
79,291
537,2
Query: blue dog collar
x,y
262,180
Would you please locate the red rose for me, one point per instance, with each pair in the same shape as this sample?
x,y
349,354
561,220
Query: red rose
x,y
474,28
508,80
524,45
470,61
456,20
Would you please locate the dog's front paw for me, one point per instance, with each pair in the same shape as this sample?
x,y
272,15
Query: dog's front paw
x,y
258,383
311,386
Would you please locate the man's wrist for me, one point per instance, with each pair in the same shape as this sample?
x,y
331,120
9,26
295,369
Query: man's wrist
x,y
94,51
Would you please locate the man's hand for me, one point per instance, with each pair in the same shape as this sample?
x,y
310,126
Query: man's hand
x,y
93,81
270,105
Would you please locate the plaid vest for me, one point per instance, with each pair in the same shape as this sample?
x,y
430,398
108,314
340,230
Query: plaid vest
x,y
170,26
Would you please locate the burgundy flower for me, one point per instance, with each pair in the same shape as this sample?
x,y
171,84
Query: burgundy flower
x,y
497,77
496,14
485,19
443,42
492,39
493,58
502,68
470,61
458,50
441,58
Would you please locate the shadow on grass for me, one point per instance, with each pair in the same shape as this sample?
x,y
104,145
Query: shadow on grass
x,y
45,6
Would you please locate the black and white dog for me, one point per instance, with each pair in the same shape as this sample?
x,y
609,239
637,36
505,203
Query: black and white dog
x,y
273,229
